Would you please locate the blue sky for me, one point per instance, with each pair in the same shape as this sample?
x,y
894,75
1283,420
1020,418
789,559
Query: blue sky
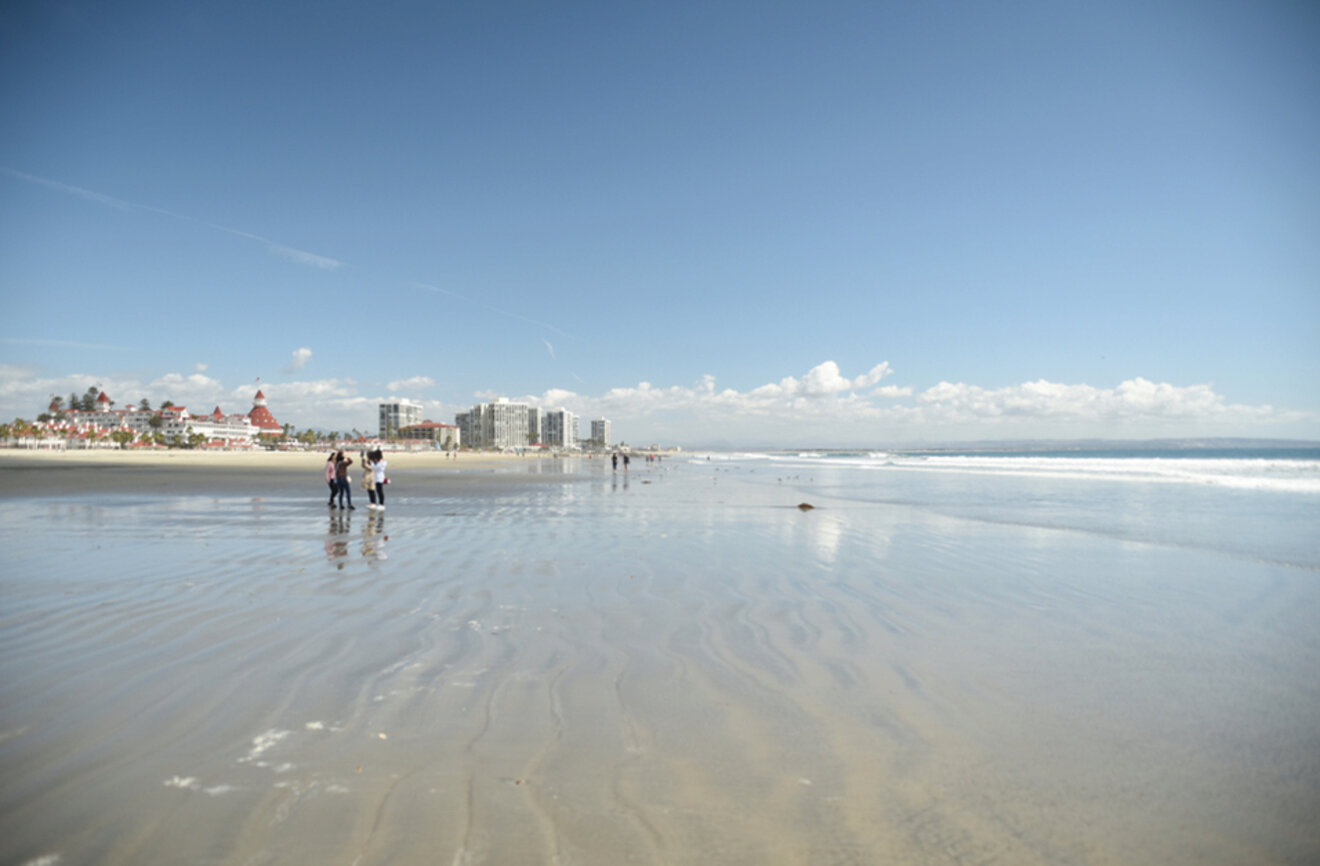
x,y
713,223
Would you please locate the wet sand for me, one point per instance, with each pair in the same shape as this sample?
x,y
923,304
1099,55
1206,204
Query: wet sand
x,y
554,663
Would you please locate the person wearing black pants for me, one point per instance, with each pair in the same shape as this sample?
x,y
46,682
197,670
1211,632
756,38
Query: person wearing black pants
x,y
341,477
376,466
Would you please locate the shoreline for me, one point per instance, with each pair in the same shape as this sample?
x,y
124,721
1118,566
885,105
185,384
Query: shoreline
x,y
10,457
27,474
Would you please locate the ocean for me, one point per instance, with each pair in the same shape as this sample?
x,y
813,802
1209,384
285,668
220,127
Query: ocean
x,y
1262,503
950,658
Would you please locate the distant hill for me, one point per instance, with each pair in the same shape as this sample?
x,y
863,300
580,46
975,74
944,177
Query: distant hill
x,y
1208,444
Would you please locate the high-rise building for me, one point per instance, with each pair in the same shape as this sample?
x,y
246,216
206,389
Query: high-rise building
x,y
505,424
394,416
500,424
600,431
534,425
467,429
560,428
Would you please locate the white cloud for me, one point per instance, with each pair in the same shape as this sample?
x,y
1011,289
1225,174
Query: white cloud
x,y
89,195
416,383
825,406
549,348
201,368
1133,400
300,358
451,293
825,379
303,257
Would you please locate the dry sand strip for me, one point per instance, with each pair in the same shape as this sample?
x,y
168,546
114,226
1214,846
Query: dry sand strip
x,y
25,473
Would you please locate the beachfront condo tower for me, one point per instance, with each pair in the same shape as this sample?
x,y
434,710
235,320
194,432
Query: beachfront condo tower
x,y
498,425
396,416
560,428
600,432
534,429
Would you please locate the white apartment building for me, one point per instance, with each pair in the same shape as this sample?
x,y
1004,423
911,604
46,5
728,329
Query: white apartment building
x,y
500,424
505,424
600,431
560,428
396,416
467,429
534,425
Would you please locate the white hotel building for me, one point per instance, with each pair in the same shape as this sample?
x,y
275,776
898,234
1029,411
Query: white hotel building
x,y
176,422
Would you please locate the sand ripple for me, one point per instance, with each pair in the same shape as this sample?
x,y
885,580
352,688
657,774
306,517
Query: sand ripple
x,y
606,672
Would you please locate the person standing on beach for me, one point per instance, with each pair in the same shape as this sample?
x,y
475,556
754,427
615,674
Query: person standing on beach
x,y
368,478
614,458
626,461
378,465
341,478
330,477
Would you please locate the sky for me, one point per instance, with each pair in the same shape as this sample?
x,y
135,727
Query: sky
x,y
714,223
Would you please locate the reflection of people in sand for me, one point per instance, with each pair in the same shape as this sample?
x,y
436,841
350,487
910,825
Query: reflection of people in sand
x,y
336,542
374,537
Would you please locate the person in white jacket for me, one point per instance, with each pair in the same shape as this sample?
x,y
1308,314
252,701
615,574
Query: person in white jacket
x,y
377,464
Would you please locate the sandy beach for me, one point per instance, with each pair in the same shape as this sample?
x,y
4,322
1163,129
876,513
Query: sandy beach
x,y
527,662
46,473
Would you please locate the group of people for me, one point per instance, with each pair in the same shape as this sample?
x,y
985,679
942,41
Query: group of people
x,y
374,478
614,459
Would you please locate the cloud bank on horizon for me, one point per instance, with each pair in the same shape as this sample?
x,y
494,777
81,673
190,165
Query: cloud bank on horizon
x,y
822,407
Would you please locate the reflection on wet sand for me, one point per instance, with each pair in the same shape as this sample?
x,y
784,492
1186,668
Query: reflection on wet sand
x,y
679,671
